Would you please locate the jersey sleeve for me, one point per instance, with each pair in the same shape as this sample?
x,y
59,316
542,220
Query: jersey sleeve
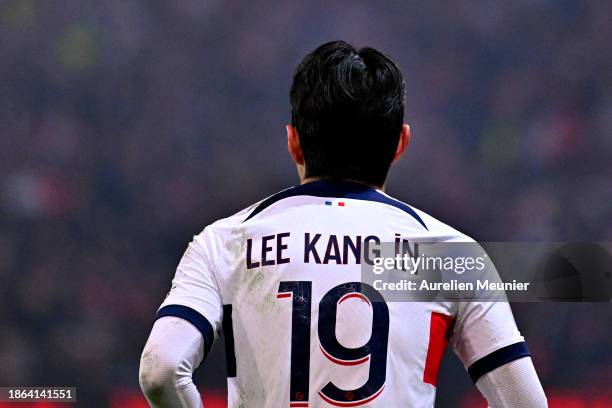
x,y
195,294
485,337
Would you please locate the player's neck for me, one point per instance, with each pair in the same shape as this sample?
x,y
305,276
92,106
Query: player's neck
x,y
311,179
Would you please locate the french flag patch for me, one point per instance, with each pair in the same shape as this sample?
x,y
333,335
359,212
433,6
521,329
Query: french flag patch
x,y
336,203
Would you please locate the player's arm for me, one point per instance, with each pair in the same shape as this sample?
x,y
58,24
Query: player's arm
x,y
174,349
185,329
489,344
514,384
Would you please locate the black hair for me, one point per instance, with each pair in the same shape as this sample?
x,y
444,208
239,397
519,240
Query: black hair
x,y
348,108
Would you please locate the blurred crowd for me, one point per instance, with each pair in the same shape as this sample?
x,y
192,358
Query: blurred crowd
x,y
127,126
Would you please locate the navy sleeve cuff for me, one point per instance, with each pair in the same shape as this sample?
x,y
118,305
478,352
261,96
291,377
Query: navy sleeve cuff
x,y
193,317
497,358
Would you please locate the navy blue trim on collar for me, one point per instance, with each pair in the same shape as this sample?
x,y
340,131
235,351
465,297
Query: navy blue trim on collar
x,y
337,189
497,359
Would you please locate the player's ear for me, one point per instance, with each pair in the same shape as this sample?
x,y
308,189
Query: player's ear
x,y
293,145
403,142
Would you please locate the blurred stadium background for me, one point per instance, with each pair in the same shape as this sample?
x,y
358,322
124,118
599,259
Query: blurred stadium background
x,y
127,126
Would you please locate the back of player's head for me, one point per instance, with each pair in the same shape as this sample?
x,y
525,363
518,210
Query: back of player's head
x,y
348,108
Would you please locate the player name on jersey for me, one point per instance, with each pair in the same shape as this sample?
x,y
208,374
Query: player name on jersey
x,y
318,248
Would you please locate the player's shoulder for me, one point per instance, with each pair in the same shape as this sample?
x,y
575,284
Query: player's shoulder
x,y
441,231
235,219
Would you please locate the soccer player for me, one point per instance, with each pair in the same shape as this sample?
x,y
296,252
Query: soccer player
x,y
281,279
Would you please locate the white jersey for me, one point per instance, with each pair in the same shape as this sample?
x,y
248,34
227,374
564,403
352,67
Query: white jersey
x,y
281,279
